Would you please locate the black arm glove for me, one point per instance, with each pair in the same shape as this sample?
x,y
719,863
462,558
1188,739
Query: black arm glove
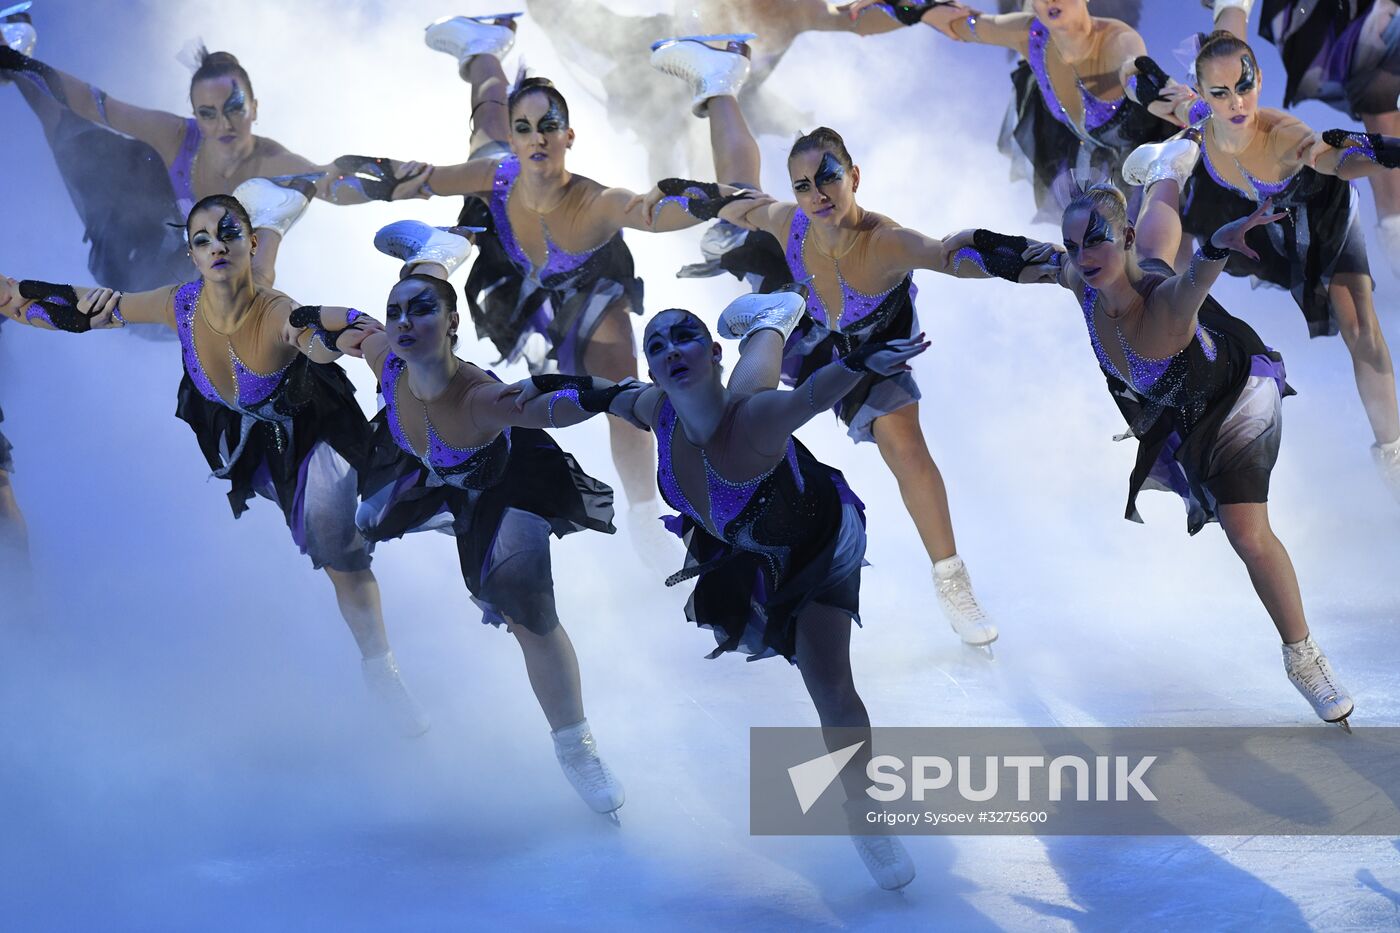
x,y
310,316
1383,150
855,361
56,305
372,177
1151,79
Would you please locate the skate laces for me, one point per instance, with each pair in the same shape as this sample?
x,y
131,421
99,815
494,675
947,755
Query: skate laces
x,y
583,761
880,850
1309,666
957,591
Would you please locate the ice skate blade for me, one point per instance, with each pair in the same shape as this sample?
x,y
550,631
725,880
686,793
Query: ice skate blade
x,y
1346,726
983,651
736,42
495,19
17,8
612,817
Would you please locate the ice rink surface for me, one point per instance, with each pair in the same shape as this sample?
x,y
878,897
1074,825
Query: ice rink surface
x,y
186,744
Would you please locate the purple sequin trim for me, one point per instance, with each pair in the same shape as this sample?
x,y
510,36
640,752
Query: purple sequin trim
x,y
439,454
182,169
855,306
570,394
186,300
352,315
1199,111
37,312
1262,189
557,260
1363,148
1143,372
254,388
1097,111
968,253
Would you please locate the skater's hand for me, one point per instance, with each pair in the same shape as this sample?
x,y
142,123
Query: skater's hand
x,y
856,7
1037,251
1231,236
9,296
896,356
351,341
625,405
1175,97
413,182
100,305
525,392
736,211
1310,149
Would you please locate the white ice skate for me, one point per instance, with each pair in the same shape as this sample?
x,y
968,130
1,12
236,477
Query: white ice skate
x,y
271,206
464,37
1220,6
658,548
384,684
16,31
964,613
1310,672
886,859
1387,458
748,314
1154,162
1389,230
711,72
577,752
414,242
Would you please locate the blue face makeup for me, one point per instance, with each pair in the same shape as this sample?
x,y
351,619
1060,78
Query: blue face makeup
x,y
1097,231
236,104
423,304
552,121
830,171
1249,78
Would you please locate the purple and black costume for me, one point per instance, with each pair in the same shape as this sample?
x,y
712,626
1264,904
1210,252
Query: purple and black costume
x,y
1208,420
296,436
791,537
563,300
1321,236
1045,146
124,193
501,501
1345,53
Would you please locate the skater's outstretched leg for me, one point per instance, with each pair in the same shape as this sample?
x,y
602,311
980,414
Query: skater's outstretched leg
x,y
16,570
1270,569
479,46
552,667
357,593
732,144
489,120
1355,312
1385,189
611,353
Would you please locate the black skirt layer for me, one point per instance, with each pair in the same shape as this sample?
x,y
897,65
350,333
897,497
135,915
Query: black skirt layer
x,y
1049,153
316,402
537,477
1321,237
750,597
1179,447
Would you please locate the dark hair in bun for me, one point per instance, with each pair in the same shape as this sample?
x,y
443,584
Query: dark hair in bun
x,y
219,65
538,86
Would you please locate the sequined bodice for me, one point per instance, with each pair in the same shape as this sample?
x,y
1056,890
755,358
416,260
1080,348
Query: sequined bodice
x,y
1097,111
1163,381
255,391
855,306
1280,190
727,499
463,467
558,261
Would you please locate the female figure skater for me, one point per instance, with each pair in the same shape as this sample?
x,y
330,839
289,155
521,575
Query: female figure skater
x,y
453,449
775,537
557,286
1346,55
1086,94
1198,388
131,170
860,266
1247,154
272,413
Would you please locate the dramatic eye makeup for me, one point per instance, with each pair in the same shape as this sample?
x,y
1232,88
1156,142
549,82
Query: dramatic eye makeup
x,y
236,103
552,121
1249,78
830,171
1097,230
229,227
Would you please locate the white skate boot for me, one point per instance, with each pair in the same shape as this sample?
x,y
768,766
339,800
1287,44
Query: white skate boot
x,y
1310,672
749,314
577,752
384,684
464,37
1220,6
1387,457
710,72
271,206
16,30
964,613
1154,162
415,242
884,856
1389,230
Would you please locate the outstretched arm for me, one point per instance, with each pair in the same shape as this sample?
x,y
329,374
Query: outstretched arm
x,y
774,414
1350,155
652,211
980,254
354,179
323,333
1181,296
162,131
78,310
554,401
471,177
1009,30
